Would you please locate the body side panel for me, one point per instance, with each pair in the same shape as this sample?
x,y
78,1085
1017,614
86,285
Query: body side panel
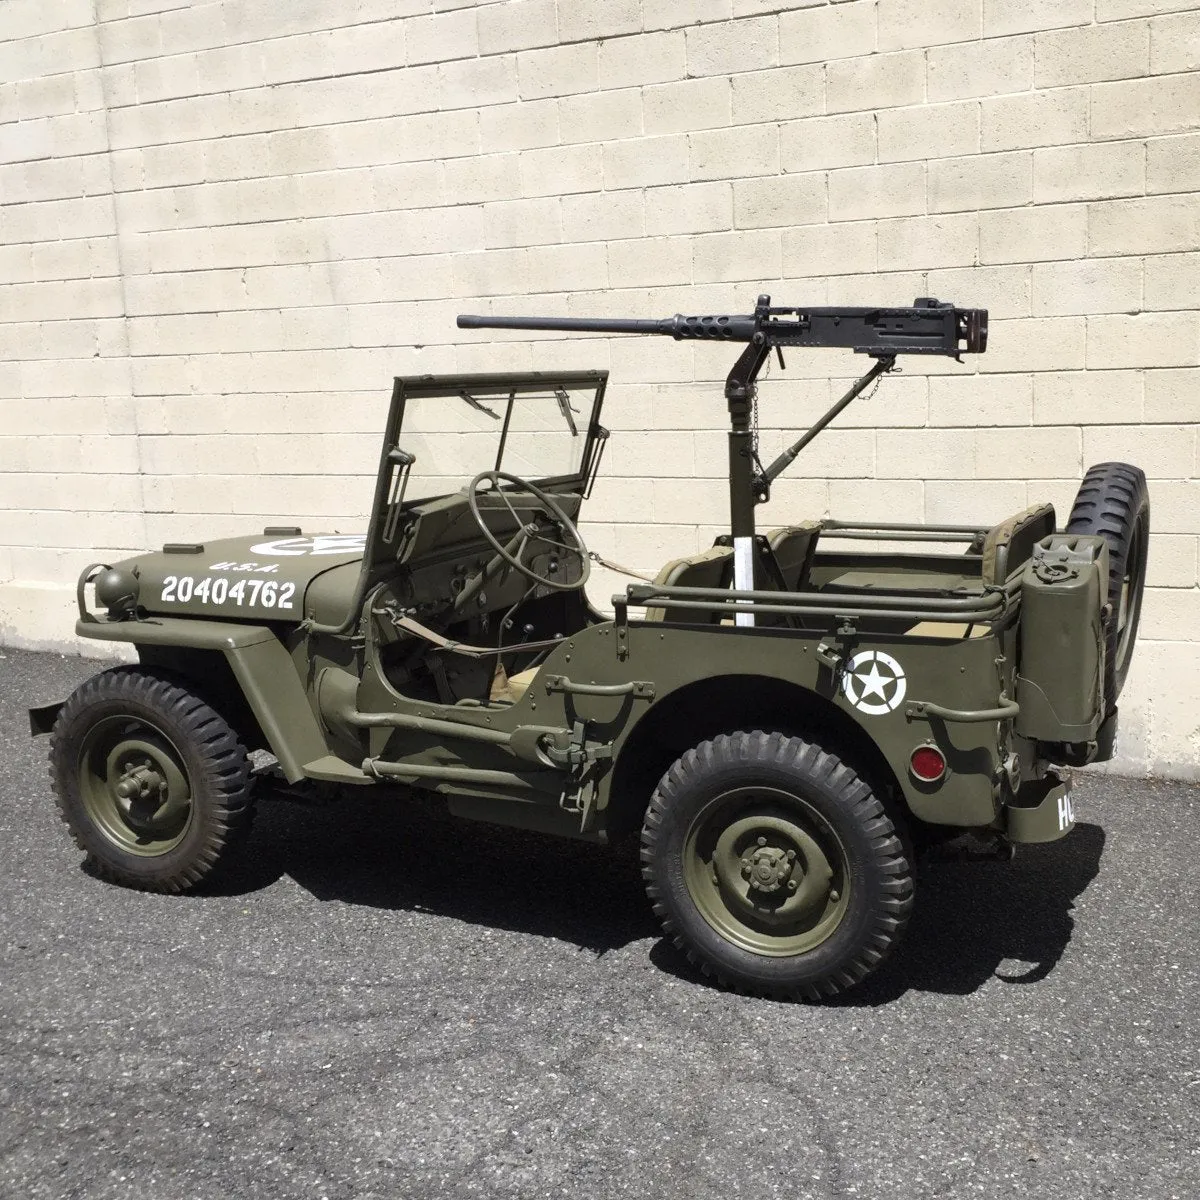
x,y
962,673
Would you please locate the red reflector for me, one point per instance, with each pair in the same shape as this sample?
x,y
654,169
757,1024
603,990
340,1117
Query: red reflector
x,y
928,764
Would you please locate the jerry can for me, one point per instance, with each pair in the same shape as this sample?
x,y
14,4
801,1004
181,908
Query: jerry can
x,y
1060,665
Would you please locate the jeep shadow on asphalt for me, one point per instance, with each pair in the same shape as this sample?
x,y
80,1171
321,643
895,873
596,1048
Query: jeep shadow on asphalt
x,y
972,922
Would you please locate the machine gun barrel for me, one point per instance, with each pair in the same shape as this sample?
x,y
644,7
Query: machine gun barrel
x,y
733,329
928,327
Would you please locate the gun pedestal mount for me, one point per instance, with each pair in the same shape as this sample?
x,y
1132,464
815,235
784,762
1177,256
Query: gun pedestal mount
x,y
928,327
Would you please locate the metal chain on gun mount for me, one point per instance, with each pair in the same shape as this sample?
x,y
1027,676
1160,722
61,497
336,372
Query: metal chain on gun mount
x,y
754,458
894,369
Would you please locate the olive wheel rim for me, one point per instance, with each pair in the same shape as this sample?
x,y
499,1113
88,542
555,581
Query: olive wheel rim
x,y
134,785
743,852
1129,601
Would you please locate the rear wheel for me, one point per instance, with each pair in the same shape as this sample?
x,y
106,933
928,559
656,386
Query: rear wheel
x,y
1113,502
774,867
151,781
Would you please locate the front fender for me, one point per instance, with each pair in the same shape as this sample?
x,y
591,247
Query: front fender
x,y
261,665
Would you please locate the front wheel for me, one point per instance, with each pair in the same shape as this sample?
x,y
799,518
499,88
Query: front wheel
x,y
151,781
774,867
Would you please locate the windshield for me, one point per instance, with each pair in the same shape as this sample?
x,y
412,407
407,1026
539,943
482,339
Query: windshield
x,y
537,435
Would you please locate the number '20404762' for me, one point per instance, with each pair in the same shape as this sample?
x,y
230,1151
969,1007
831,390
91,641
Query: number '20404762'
x,y
265,593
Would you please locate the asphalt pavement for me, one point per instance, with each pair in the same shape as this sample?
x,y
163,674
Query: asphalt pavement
x,y
382,1001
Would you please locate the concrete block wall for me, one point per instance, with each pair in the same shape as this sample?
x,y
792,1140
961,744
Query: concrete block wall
x,y
225,226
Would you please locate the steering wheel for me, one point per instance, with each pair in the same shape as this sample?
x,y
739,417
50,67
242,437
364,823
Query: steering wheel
x,y
511,553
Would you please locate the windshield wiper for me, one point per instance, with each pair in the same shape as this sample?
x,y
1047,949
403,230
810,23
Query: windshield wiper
x,y
475,404
564,407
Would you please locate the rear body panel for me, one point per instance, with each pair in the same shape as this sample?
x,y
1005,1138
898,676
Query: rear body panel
x,y
872,682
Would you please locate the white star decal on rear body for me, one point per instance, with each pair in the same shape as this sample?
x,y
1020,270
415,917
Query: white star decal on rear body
x,y
864,680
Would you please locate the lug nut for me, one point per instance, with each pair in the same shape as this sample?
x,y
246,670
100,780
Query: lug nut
x,y
762,841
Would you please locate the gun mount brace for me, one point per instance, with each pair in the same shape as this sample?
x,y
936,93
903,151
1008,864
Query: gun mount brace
x,y
929,327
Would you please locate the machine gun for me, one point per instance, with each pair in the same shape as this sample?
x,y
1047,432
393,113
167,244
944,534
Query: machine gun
x,y
929,327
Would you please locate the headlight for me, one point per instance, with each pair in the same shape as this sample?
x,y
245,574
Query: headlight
x,y
117,590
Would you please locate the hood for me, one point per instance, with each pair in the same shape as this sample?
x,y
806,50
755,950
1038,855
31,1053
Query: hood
x,y
260,578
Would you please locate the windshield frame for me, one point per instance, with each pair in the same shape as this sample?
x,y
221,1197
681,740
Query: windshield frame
x,y
503,390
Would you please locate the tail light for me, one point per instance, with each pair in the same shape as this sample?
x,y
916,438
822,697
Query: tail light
x,y
927,764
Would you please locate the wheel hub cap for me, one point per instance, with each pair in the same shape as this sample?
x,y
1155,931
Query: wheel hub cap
x,y
141,782
768,867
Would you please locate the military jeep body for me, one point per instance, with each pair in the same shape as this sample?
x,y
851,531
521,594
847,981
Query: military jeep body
x,y
787,718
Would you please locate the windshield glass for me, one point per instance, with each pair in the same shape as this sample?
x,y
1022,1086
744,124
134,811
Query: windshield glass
x,y
536,435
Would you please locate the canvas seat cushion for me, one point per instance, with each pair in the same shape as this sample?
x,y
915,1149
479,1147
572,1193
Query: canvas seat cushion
x,y
1010,544
794,547
711,568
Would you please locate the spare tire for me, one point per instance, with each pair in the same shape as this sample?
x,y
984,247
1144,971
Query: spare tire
x,y
1113,502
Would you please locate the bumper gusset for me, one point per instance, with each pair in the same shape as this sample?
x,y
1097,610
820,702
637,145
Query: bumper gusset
x,y
1044,812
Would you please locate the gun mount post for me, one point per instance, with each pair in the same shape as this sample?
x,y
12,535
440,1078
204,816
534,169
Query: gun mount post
x,y
739,395
740,386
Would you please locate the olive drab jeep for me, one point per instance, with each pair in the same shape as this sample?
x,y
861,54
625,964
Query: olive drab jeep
x,y
787,718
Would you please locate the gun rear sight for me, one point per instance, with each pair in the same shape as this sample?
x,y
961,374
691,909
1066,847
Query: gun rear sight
x,y
928,327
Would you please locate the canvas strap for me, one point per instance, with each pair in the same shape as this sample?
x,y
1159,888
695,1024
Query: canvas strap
x,y
620,570
410,625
